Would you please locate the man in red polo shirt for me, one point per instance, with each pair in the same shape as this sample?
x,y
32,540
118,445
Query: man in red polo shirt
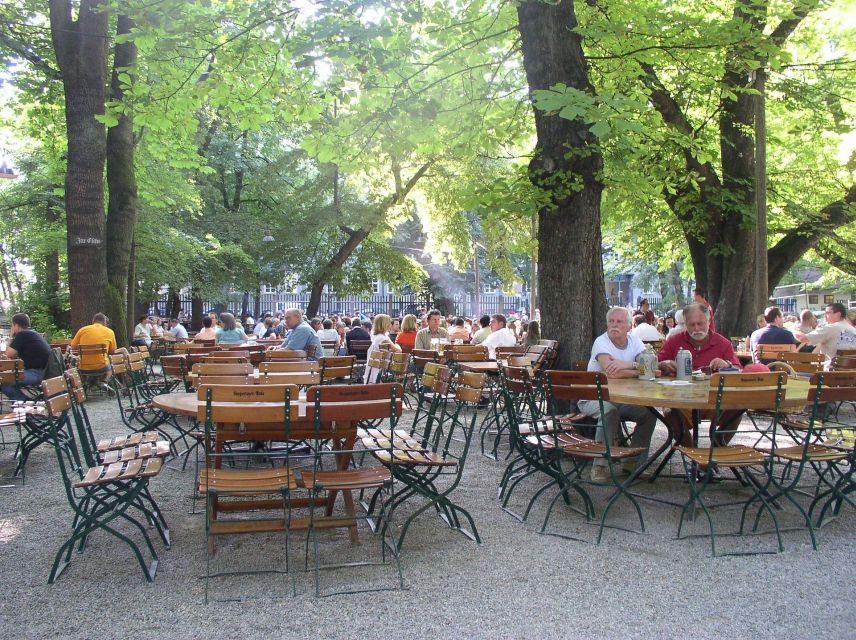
x,y
708,349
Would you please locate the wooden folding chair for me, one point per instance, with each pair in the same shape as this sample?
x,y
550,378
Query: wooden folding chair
x,y
729,392
99,495
337,370
825,446
344,406
284,355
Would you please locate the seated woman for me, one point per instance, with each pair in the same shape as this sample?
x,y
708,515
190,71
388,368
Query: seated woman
x,y
533,334
207,332
406,338
230,333
380,335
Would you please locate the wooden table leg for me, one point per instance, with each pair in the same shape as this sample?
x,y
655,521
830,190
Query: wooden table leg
x,y
342,464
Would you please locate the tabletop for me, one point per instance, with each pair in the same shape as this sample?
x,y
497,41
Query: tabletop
x,y
288,377
486,366
664,392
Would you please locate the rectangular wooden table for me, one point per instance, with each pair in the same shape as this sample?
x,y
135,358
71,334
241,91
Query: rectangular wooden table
x,y
302,427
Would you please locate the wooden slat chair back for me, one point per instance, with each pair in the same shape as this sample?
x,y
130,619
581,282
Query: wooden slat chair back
x,y
359,349
803,363
212,359
329,347
844,363
540,355
174,368
774,351
232,406
336,368
230,353
422,357
301,378
12,371
553,344
237,369
456,354
284,355
289,366
503,353
92,350
378,365
399,369
850,353
745,390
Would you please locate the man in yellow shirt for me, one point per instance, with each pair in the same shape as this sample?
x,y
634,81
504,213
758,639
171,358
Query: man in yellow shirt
x,y
97,333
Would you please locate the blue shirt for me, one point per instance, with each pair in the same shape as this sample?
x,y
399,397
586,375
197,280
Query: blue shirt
x,y
771,334
232,336
301,337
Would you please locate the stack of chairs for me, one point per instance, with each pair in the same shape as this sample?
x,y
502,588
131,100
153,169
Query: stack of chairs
x,y
105,487
429,458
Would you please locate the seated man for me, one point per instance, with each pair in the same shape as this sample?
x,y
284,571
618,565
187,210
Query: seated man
x,y
615,353
708,349
836,334
142,332
459,331
773,333
177,329
97,333
483,332
30,347
644,331
300,334
432,332
500,336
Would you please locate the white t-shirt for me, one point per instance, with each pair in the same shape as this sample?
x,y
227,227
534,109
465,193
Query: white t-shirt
x,y
259,330
646,331
377,340
179,332
832,337
604,346
499,338
328,334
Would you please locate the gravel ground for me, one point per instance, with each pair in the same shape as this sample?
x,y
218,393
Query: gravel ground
x,y
516,584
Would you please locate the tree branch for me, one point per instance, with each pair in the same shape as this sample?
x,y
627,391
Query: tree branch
x,y
810,235
787,27
26,53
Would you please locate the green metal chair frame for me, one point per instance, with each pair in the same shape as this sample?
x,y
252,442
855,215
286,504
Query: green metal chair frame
x,y
832,459
581,452
342,405
420,465
248,488
735,391
100,494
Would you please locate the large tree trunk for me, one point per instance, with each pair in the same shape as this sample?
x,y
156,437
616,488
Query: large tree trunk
x,y
195,312
570,268
122,184
131,292
81,52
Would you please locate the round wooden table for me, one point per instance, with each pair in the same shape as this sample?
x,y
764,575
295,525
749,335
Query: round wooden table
x,y
695,395
188,404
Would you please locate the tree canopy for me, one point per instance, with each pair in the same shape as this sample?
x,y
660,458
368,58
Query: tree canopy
x,y
329,125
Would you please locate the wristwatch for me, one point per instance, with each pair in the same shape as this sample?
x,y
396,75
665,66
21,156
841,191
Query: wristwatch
x,y
635,365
